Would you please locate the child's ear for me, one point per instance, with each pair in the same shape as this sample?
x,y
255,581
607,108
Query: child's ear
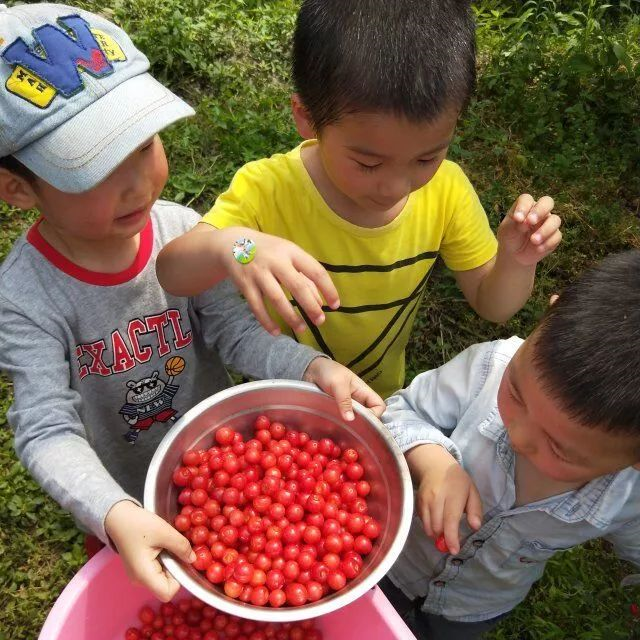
x,y
16,191
302,118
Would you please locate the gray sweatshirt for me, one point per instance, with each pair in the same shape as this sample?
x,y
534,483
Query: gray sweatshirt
x,y
103,364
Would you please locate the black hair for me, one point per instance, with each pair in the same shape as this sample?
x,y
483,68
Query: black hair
x,y
586,349
10,163
412,58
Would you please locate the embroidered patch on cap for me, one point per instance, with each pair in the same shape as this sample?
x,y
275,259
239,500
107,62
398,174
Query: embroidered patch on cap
x,y
55,64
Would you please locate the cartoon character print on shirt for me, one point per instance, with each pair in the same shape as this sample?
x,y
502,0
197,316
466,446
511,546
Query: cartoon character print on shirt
x,y
150,400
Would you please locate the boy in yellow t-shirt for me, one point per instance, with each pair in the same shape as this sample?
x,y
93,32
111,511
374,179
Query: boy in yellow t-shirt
x,y
369,193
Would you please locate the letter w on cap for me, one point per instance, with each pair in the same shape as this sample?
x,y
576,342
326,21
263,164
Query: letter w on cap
x,y
63,55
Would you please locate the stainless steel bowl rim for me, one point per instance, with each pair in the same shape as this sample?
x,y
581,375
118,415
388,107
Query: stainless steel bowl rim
x,y
309,610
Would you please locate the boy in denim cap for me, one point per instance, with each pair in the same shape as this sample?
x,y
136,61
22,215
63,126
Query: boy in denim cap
x,y
103,361
542,436
380,86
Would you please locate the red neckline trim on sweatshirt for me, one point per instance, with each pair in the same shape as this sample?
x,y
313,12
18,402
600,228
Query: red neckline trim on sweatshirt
x,y
34,237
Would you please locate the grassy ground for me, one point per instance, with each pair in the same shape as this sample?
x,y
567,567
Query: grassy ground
x,y
556,112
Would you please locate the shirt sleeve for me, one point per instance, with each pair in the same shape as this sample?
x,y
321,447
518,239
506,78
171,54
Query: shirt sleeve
x,y
229,327
50,439
468,240
428,410
241,203
625,541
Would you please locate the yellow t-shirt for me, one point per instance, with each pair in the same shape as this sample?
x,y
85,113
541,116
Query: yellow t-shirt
x,y
380,273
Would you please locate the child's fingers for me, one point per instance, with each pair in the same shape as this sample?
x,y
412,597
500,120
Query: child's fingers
x,y
311,268
451,523
550,244
367,397
539,211
305,293
436,515
176,544
425,516
340,389
521,207
257,306
272,290
313,288
151,574
546,229
474,509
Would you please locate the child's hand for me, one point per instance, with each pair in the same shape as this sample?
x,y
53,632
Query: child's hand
x,y
445,492
139,536
530,231
280,264
343,385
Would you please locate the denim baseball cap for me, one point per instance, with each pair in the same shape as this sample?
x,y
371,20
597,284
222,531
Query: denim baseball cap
x,y
76,97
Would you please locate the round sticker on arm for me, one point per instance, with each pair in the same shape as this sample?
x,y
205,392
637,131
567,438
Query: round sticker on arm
x,y
244,250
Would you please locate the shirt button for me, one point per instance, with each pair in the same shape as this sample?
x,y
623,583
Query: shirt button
x,y
478,543
439,583
456,562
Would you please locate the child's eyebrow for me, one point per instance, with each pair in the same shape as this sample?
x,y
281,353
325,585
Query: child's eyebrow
x,y
372,154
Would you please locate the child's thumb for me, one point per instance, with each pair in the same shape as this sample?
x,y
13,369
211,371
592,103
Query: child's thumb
x,y
177,545
342,394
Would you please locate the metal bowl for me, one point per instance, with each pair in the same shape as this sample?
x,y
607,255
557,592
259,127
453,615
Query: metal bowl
x,y
303,406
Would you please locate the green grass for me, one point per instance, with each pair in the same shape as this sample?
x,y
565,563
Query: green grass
x,y
556,112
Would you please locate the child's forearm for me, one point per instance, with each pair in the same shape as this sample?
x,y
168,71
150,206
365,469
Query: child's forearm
x,y
504,290
195,262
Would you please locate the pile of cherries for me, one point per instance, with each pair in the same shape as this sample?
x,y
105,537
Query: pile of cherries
x,y
279,519
191,619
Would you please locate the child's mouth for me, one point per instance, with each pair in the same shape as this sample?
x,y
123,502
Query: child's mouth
x,y
134,215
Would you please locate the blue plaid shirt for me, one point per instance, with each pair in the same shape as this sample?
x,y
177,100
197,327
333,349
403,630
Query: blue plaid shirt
x,y
456,406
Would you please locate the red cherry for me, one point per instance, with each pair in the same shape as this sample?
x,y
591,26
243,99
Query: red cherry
x,y
277,598
314,591
232,588
215,572
182,523
336,580
277,430
350,455
181,477
262,422
203,558
296,594
441,544
259,596
224,436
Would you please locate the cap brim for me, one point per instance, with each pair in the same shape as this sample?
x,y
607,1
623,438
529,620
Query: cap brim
x,y
83,151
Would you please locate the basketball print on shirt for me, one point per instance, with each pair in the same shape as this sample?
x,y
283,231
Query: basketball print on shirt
x,y
150,400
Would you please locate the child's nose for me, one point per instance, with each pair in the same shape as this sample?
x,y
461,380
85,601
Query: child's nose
x,y
395,189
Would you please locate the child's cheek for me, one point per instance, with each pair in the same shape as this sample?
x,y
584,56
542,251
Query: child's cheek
x,y
505,405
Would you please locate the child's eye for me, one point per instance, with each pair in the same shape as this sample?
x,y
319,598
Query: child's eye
x,y
555,453
515,398
426,161
367,167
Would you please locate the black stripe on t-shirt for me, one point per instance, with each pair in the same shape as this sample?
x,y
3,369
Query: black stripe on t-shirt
x,y
363,268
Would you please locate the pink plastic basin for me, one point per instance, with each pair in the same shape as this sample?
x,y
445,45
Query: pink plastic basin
x,y
100,603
